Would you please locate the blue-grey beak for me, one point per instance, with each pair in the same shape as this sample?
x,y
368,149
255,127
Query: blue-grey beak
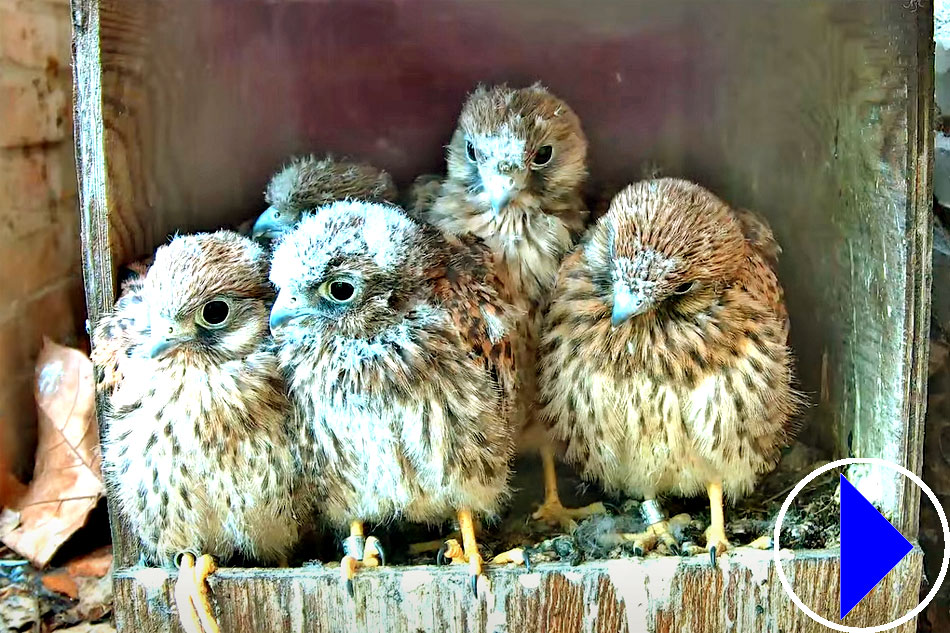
x,y
279,317
286,308
269,225
161,345
500,199
166,335
627,304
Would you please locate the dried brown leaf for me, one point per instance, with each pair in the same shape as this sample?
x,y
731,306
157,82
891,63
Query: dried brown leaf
x,y
67,483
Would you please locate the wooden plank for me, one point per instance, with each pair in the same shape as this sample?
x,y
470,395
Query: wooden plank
x,y
91,158
920,159
661,595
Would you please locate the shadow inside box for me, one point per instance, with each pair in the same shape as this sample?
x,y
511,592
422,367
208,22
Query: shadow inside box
x,y
812,522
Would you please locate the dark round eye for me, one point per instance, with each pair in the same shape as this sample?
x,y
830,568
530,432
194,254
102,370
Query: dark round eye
x,y
682,289
341,291
543,155
470,151
276,214
214,313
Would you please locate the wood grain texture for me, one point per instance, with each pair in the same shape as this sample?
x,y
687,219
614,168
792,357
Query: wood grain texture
x,y
636,596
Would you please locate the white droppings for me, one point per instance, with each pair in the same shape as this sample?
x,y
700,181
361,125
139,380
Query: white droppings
x,y
758,562
151,579
530,581
628,581
296,608
50,377
412,580
660,574
496,622
574,576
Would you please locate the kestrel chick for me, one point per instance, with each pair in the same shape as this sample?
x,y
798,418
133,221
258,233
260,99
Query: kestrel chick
x,y
664,362
396,348
516,167
308,182
195,448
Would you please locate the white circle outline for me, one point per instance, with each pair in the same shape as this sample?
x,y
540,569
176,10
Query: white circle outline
x,y
858,629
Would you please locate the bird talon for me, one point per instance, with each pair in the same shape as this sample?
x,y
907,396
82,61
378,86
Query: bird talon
x,y
712,555
452,552
473,580
350,591
637,551
373,554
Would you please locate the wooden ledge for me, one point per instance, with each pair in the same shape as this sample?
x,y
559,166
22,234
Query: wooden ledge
x,y
664,594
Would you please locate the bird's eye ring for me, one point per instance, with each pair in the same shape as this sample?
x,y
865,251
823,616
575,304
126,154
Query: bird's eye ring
x,y
276,214
339,291
682,289
543,156
214,314
470,152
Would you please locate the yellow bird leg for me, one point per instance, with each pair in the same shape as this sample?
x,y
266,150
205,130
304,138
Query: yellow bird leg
x,y
470,546
193,596
552,510
716,541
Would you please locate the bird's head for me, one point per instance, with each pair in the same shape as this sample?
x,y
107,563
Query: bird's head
x,y
348,269
207,296
308,182
664,247
289,193
517,144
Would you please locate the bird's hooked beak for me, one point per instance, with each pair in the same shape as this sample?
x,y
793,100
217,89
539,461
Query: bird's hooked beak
x,y
286,308
628,304
501,184
269,225
166,336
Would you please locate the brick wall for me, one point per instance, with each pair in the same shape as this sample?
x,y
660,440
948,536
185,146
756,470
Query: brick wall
x,y
40,278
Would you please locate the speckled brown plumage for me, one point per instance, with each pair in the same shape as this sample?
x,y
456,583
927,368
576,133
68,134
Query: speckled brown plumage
x,y
516,167
665,366
405,390
308,182
404,393
196,449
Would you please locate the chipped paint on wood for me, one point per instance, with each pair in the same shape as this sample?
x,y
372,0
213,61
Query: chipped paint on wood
x,y
653,595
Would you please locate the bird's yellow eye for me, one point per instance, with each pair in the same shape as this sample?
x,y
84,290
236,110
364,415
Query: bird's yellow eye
x,y
470,152
214,314
682,289
543,156
339,291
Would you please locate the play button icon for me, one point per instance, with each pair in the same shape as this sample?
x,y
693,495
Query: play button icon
x,y
870,547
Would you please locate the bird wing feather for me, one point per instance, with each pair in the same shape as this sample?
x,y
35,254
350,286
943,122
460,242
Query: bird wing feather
x,y
115,333
467,288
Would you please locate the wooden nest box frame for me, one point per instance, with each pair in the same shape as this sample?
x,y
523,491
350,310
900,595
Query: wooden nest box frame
x,y
816,114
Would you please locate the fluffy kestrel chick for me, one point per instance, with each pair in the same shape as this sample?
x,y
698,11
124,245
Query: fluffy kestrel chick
x,y
195,448
664,363
516,168
396,348
308,182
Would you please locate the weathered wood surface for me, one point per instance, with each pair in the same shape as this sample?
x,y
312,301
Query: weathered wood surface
x,y
665,595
